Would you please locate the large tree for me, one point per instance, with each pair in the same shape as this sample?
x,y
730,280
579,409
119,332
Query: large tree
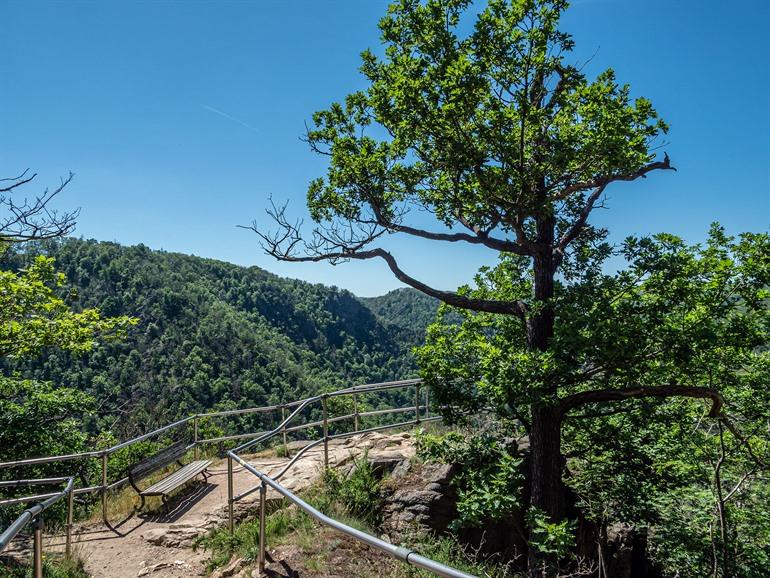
x,y
488,126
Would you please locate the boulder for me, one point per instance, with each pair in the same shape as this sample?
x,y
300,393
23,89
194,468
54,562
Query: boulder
x,y
174,536
418,499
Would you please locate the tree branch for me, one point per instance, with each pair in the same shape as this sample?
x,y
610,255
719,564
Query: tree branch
x,y
665,164
451,298
605,395
333,248
31,219
480,238
598,185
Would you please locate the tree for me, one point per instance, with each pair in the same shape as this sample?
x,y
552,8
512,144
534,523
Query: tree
x,y
493,133
41,418
34,317
679,321
511,147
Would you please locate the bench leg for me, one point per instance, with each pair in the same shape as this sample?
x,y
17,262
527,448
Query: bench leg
x,y
165,503
141,506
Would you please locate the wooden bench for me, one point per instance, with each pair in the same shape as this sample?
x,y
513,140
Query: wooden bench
x,y
160,460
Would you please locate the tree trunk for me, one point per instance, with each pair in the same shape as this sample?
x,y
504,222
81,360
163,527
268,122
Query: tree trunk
x,y
540,324
547,492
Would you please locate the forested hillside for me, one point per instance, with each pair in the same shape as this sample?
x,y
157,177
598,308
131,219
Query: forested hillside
x,y
405,308
216,335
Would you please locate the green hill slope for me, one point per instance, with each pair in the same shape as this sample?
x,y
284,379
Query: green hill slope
x,y
216,335
407,309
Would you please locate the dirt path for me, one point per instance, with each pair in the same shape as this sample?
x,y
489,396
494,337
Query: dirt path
x,y
160,546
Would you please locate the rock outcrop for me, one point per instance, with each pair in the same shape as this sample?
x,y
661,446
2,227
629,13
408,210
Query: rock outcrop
x,y
419,498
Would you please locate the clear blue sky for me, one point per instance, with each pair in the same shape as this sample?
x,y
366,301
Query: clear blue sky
x,y
179,118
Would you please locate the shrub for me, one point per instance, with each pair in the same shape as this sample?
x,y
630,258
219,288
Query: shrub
x,y
489,483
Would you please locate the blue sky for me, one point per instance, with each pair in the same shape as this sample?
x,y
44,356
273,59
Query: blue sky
x,y
180,118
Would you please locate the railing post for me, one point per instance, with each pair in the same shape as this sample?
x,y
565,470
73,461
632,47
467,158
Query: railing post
x,y
104,488
427,403
417,403
68,539
326,431
195,436
262,515
37,549
230,522
285,443
355,412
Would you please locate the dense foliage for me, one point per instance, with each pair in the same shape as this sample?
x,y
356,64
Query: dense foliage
x,y
678,314
41,418
489,483
209,335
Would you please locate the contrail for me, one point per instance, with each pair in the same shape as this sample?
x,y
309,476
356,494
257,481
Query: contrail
x,y
224,114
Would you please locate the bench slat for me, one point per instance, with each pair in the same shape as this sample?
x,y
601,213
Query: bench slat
x,y
157,461
179,477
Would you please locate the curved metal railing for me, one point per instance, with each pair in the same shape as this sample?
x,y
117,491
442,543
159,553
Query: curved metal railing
x,y
403,554
103,455
35,515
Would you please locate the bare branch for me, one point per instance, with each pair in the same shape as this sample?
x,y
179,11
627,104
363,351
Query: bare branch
x,y
337,245
17,181
31,219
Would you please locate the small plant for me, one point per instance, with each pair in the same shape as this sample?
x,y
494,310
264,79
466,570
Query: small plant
x,y
447,550
551,539
245,540
489,482
358,491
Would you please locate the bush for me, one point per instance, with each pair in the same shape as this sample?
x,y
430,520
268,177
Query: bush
x,y
489,483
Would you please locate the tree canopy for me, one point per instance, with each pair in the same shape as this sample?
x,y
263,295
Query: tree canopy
x,y
478,116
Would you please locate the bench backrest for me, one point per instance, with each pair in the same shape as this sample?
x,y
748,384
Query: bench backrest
x,y
157,461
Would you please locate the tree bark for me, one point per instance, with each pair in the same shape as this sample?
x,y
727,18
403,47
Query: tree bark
x,y
547,492
540,323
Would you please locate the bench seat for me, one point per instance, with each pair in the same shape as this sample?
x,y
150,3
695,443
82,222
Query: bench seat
x,y
167,485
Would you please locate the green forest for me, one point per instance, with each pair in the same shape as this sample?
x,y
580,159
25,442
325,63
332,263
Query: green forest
x,y
211,335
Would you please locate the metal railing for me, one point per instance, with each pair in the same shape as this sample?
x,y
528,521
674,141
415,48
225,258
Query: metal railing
x,y
399,553
35,515
420,409
103,455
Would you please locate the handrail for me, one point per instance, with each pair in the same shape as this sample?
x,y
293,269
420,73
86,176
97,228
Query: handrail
x,y
256,437
402,554
30,513
279,427
35,514
365,388
398,552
